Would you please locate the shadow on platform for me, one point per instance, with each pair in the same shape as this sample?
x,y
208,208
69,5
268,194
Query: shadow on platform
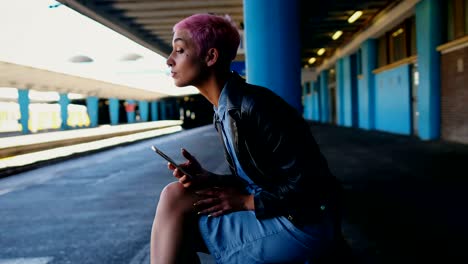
x,y
405,198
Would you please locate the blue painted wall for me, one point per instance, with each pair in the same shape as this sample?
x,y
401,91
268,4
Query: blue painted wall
x,y
366,85
393,103
316,101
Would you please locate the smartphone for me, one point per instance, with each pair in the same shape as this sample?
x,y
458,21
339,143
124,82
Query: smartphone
x,y
162,154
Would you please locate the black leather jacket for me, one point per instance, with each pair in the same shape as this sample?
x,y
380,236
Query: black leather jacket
x,y
277,151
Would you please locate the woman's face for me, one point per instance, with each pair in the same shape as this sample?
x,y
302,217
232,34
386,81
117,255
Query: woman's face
x,y
186,66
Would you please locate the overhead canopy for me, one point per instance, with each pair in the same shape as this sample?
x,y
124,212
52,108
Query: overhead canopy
x,y
150,22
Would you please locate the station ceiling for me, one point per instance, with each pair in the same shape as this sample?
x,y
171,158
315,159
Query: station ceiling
x,y
150,22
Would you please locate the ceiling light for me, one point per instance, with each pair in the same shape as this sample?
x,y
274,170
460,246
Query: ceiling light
x,y
354,16
337,34
321,51
131,57
312,60
80,59
397,32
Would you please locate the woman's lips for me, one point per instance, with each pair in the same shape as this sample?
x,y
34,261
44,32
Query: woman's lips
x,y
173,74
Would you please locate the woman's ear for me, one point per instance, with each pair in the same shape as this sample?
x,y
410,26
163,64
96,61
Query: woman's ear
x,y
212,56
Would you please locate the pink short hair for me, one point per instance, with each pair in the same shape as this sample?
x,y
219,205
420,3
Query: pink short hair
x,y
212,31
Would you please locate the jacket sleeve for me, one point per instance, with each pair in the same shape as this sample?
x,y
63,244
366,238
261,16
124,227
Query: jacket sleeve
x,y
282,135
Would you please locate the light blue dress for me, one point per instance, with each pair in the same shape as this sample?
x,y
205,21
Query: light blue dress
x,y
241,238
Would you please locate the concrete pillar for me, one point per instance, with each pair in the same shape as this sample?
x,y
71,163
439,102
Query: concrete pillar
x,y
92,104
114,111
366,85
143,107
154,111
23,100
316,100
346,95
130,109
324,98
339,92
428,37
272,47
163,110
64,102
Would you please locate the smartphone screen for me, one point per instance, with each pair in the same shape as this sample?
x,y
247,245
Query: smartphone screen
x,y
162,154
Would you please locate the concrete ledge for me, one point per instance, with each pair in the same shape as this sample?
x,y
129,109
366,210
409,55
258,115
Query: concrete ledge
x,y
24,144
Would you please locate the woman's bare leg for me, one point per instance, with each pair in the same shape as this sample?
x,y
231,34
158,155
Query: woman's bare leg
x,y
167,235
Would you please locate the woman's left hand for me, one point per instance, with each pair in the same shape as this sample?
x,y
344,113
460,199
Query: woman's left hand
x,y
217,201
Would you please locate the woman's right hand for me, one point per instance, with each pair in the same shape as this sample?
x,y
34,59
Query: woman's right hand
x,y
193,167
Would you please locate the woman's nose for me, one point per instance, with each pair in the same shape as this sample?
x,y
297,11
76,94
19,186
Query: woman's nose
x,y
169,61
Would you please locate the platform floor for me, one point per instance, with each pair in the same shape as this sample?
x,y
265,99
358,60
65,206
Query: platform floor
x,y
405,198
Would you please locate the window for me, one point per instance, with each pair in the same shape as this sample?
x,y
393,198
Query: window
x,y
398,43
382,51
457,19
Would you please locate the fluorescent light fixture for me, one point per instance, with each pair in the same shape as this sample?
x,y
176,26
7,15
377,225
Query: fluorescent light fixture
x,y
81,59
131,57
397,32
312,60
321,51
354,16
337,34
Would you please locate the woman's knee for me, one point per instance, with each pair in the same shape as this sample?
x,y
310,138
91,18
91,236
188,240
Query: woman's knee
x,y
175,196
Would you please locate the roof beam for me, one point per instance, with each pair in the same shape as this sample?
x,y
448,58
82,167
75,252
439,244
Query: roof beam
x,y
93,11
157,5
385,22
184,12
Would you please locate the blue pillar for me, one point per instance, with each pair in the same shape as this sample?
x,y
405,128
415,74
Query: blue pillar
x,y
64,101
428,37
366,85
273,47
316,101
92,104
309,100
346,95
154,111
114,111
23,99
130,109
143,107
163,110
339,91
324,97
306,101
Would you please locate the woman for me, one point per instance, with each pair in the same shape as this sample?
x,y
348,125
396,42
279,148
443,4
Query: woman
x,y
280,204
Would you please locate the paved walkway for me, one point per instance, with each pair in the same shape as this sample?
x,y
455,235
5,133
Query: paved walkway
x,y
405,198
